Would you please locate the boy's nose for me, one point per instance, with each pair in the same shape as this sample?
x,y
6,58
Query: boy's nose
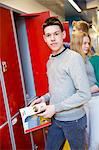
x,y
52,37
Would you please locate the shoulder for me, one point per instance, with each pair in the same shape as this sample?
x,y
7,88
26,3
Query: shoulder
x,y
74,55
94,58
74,59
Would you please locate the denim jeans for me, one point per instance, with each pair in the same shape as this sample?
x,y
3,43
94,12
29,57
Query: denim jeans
x,y
73,131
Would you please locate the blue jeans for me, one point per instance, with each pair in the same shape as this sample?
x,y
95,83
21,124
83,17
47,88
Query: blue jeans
x,y
73,131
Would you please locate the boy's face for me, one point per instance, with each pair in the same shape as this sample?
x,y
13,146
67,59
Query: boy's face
x,y
53,36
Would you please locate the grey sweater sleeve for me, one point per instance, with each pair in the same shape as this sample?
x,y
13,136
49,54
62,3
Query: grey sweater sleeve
x,y
46,97
76,70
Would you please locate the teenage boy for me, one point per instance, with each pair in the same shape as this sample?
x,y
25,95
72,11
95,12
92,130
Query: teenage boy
x,y
68,91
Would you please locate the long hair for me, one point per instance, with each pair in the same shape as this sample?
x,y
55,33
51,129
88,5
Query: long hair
x,y
77,41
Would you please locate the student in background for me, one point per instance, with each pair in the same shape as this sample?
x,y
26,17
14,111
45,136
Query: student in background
x,y
94,107
81,43
67,92
95,62
82,26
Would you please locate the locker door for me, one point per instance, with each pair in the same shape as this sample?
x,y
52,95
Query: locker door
x,y
39,51
13,84
5,142
30,26
4,131
22,140
3,117
38,137
10,60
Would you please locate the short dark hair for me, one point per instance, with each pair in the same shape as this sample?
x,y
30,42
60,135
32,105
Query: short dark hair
x,y
52,21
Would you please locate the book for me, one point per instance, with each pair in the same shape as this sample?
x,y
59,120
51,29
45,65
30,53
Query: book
x,y
32,122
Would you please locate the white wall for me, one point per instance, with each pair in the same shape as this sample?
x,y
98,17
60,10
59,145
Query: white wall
x,y
27,6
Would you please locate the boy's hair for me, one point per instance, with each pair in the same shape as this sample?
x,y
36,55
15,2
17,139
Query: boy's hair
x,y
81,25
52,21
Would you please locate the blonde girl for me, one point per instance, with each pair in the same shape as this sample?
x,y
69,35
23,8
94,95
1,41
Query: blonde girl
x,y
81,43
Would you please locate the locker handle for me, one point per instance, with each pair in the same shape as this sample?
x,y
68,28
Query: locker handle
x,y
14,121
4,66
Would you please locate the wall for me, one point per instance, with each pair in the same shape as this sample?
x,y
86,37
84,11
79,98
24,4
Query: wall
x,y
26,6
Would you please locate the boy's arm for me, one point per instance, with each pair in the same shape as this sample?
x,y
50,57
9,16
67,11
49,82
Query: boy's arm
x,y
46,97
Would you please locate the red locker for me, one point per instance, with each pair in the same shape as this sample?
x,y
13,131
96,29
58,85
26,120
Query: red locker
x,y
39,51
39,54
3,117
9,56
5,142
13,85
4,131
40,142
23,141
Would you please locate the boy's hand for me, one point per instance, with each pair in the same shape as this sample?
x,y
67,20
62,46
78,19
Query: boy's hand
x,y
38,100
49,112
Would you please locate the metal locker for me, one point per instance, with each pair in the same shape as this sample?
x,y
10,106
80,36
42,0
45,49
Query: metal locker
x,y
12,86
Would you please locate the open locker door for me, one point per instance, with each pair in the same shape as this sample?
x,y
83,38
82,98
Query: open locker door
x,y
34,55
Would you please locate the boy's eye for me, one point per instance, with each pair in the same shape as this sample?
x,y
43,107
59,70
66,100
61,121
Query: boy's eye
x,y
56,33
47,35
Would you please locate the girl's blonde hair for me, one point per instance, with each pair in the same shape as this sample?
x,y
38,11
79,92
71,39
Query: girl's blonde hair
x,y
77,41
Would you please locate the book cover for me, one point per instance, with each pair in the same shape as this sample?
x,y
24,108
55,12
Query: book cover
x,y
31,121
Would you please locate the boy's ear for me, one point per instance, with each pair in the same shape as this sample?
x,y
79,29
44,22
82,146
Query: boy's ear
x,y
64,34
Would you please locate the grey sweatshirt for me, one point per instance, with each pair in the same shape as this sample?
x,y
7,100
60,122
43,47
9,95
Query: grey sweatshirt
x,y
68,85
